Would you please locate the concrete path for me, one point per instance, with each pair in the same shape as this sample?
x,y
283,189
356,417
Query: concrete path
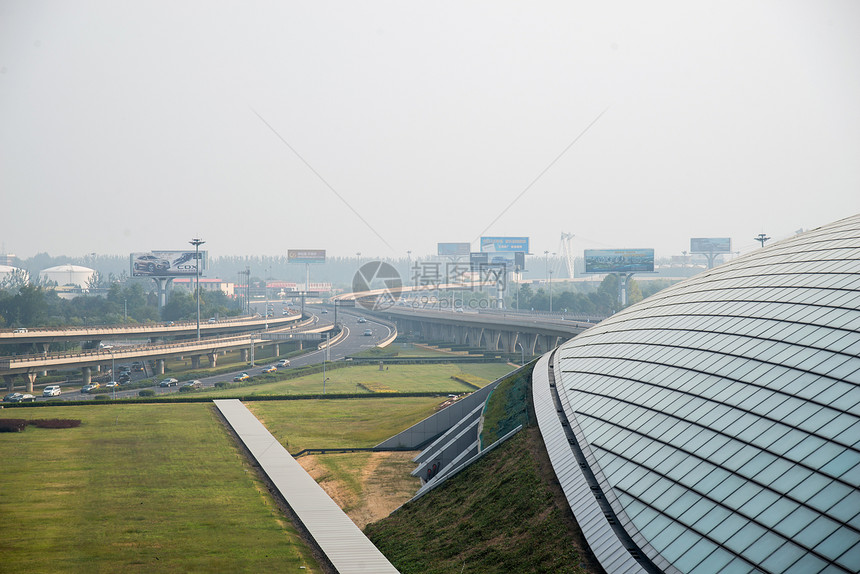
x,y
338,537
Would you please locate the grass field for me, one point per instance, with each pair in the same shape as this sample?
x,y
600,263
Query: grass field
x,y
348,423
137,488
400,378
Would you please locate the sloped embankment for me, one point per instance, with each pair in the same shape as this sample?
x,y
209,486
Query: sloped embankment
x,y
505,513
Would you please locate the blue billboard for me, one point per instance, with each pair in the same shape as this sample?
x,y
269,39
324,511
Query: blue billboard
x,y
453,249
504,244
619,260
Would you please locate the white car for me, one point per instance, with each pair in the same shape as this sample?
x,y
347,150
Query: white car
x,y
283,363
51,391
111,385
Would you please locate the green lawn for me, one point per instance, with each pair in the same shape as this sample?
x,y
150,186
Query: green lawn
x,y
349,423
399,378
137,488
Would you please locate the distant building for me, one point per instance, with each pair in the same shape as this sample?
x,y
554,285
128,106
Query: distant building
x,y
206,284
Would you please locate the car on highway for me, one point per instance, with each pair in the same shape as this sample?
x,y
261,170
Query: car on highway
x,y
324,312
368,332
51,391
137,367
22,398
11,398
270,369
283,363
20,330
150,263
111,385
241,377
169,382
213,320
362,320
193,384
90,388
123,378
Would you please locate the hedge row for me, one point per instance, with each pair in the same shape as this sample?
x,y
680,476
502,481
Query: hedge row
x,y
18,425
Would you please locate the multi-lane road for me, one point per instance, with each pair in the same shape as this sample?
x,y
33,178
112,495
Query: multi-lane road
x,y
353,341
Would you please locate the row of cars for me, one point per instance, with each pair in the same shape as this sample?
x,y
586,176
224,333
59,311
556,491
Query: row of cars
x,y
242,377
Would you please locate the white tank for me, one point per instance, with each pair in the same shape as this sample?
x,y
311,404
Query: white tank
x,y
67,275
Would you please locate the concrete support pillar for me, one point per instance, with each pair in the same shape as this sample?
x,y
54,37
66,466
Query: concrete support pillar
x,y
97,368
86,375
492,338
10,382
159,366
213,359
301,345
31,378
531,344
243,355
195,361
508,341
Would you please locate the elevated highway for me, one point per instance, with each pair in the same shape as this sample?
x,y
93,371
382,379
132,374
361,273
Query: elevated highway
x,y
47,335
292,328
492,331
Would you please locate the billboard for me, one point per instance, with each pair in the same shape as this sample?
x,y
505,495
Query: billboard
x,y
453,249
619,260
511,260
478,260
504,244
166,263
711,245
305,255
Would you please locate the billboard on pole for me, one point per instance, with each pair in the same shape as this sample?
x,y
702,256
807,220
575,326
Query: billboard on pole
x,y
453,249
504,244
166,263
305,255
619,260
710,245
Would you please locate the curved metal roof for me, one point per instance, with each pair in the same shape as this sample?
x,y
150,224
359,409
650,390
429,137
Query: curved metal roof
x,y
721,417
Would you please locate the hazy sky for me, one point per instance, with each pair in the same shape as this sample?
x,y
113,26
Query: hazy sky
x,y
131,126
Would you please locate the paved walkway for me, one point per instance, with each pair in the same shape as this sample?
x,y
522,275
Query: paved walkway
x,y
340,539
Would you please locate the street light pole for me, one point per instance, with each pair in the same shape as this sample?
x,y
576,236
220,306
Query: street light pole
x,y
197,242
523,353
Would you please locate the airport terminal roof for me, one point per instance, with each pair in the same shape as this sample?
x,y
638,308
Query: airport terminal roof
x,y
722,415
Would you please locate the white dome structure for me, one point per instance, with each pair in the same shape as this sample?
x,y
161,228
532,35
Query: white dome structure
x,y
715,427
67,275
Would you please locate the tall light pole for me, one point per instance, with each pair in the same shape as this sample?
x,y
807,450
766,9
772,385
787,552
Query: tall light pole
x,y
762,238
546,267
197,242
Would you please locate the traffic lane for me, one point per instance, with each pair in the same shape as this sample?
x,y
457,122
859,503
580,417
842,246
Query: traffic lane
x,y
353,342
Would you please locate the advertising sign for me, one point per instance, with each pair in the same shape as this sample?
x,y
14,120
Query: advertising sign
x,y
512,261
619,260
166,263
504,244
711,245
305,255
453,249
478,260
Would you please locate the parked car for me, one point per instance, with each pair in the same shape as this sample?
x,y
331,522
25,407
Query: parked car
x,y
51,391
270,369
193,384
89,388
241,377
169,382
11,398
368,332
283,363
